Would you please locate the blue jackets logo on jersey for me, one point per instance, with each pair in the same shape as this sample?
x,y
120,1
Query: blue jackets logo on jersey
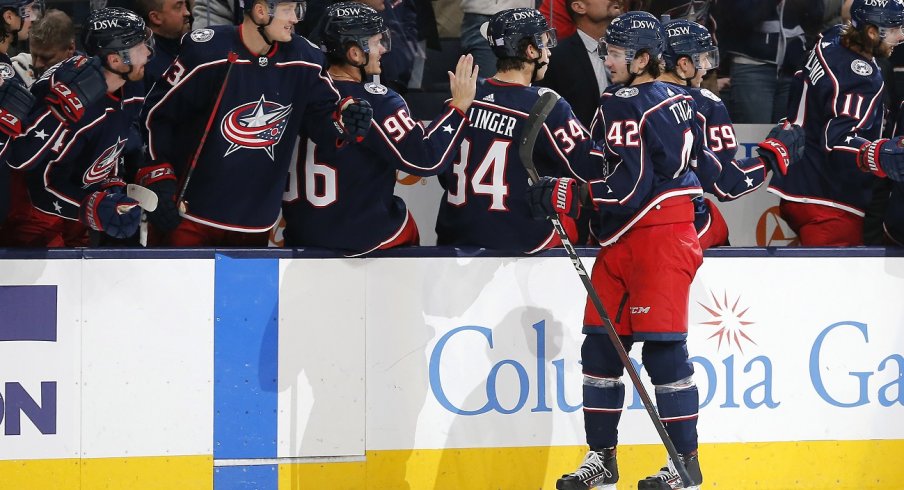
x,y
861,67
104,165
255,125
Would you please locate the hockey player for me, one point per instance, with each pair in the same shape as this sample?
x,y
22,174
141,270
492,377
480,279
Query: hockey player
x,y
689,54
650,252
79,127
217,121
343,198
18,15
839,102
15,104
485,199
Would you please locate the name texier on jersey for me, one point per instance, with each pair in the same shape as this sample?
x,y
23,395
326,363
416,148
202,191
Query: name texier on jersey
x,y
837,98
242,169
485,199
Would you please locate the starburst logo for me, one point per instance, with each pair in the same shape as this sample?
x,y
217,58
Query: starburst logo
x,y
728,320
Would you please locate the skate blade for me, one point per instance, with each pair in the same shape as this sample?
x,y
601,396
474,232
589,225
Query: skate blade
x,y
608,486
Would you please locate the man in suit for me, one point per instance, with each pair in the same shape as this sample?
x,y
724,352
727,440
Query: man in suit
x,y
575,71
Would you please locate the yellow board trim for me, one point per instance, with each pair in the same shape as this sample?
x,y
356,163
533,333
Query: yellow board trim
x,y
756,466
143,473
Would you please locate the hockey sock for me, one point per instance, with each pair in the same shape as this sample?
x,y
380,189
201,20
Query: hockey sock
x,y
678,403
603,401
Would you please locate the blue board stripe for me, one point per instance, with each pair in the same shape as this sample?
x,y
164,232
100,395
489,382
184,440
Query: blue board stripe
x,y
28,313
246,308
262,477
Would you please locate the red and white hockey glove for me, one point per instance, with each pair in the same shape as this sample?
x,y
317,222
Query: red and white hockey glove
x,y
352,119
884,158
15,103
550,197
74,85
782,147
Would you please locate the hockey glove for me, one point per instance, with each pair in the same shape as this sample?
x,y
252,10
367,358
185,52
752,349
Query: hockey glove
x,y
782,147
884,158
352,119
15,103
76,84
162,180
111,212
550,197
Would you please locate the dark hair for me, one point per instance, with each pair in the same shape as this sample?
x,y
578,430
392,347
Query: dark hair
x,y
568,8
145,7
654,67
506,64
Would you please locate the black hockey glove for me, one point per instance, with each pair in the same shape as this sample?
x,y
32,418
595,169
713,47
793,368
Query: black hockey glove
x,y
76,84
352,119
782,147
550,197
884,158
161,179
15,104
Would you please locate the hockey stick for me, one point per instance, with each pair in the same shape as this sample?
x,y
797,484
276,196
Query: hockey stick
x,y
230,60
147,199
535,120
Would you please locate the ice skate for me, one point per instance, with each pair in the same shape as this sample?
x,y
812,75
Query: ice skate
x,y
598,471
668,479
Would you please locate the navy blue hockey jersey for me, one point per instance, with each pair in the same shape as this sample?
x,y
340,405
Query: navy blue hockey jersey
x,y
343,198
651,138
720,173
242,169
485,203
68,161
837,98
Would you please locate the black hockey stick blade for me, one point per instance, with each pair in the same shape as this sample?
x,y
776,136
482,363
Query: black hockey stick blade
x,y
538,113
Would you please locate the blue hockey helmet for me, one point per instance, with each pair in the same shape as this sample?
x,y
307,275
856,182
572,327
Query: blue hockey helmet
x,y
686,38
880,13
351,22
886,15
507,28
634,32
116,30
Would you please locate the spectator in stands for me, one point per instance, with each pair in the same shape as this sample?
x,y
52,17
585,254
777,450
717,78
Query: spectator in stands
x,y
169,20
767,45
473,41
556,12
576,71
52,39
209,13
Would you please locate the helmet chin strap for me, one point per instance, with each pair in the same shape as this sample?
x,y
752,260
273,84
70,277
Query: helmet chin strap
x,y
538,65
260,27
124,75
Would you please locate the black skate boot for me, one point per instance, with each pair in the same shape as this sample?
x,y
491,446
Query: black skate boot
x,y
599,470
668,479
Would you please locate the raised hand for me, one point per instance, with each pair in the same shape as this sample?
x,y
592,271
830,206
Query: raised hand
x,y
463,82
